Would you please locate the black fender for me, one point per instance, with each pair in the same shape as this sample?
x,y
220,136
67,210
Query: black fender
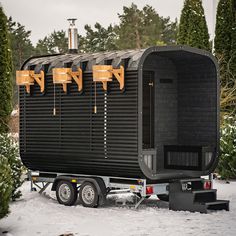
x,y
98,182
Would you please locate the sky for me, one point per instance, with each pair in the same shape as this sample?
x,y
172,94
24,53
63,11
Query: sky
x,y
42,17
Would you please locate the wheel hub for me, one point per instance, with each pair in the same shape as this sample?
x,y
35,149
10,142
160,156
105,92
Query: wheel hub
x,y
64,192
88,194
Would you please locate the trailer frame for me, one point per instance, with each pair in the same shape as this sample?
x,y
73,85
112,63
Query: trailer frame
x,y
189,194
116,185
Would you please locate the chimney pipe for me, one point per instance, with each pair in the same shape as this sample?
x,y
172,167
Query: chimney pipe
x,y
72,36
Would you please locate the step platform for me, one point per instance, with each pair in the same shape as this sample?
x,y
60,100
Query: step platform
x,y
189,195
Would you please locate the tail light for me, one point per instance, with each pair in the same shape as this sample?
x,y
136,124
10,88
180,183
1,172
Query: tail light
x,y
149,190
207,185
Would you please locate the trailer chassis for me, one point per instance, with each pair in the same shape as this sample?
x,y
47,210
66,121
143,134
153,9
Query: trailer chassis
x,y
112,185
189,194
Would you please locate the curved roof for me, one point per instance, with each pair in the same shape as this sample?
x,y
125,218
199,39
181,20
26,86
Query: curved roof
x,y
131,58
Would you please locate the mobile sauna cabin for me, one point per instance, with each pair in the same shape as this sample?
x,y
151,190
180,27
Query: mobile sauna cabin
x,y
150,113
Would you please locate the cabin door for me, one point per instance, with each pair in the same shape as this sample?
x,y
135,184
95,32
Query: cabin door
x,y
148,109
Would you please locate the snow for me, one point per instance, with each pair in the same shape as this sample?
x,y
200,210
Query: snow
x,y
36,214
14,135
14,112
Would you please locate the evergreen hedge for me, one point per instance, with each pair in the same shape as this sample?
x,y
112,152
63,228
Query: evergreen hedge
x,y
9,150
233,47
6,87
5,186
227,162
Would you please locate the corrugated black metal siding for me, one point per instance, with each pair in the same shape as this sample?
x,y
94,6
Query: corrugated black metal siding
x,y
76,140
165,104
197,104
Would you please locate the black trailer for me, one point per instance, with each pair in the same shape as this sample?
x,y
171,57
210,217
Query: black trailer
x,y
149,115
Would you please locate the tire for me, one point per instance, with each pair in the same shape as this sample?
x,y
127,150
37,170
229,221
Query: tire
x,y
66,193
88,195
163,197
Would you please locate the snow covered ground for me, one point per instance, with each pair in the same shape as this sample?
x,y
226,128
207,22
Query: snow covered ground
x,y
36,215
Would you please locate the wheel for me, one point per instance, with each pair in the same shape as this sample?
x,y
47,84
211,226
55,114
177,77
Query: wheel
x,y
163,197
66,193
88,195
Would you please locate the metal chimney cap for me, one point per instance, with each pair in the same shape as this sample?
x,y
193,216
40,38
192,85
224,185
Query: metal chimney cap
x,y
72,21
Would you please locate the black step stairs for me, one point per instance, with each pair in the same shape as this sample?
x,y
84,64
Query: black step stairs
x,y
189,195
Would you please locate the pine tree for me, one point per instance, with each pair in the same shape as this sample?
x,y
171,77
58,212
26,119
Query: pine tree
x,y
56,42
21,47
5,74
224,25
141,28
100,39
130,28
193,29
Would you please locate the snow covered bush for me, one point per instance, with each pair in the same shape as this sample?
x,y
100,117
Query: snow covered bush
x,y
6,185
227,163
9,150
